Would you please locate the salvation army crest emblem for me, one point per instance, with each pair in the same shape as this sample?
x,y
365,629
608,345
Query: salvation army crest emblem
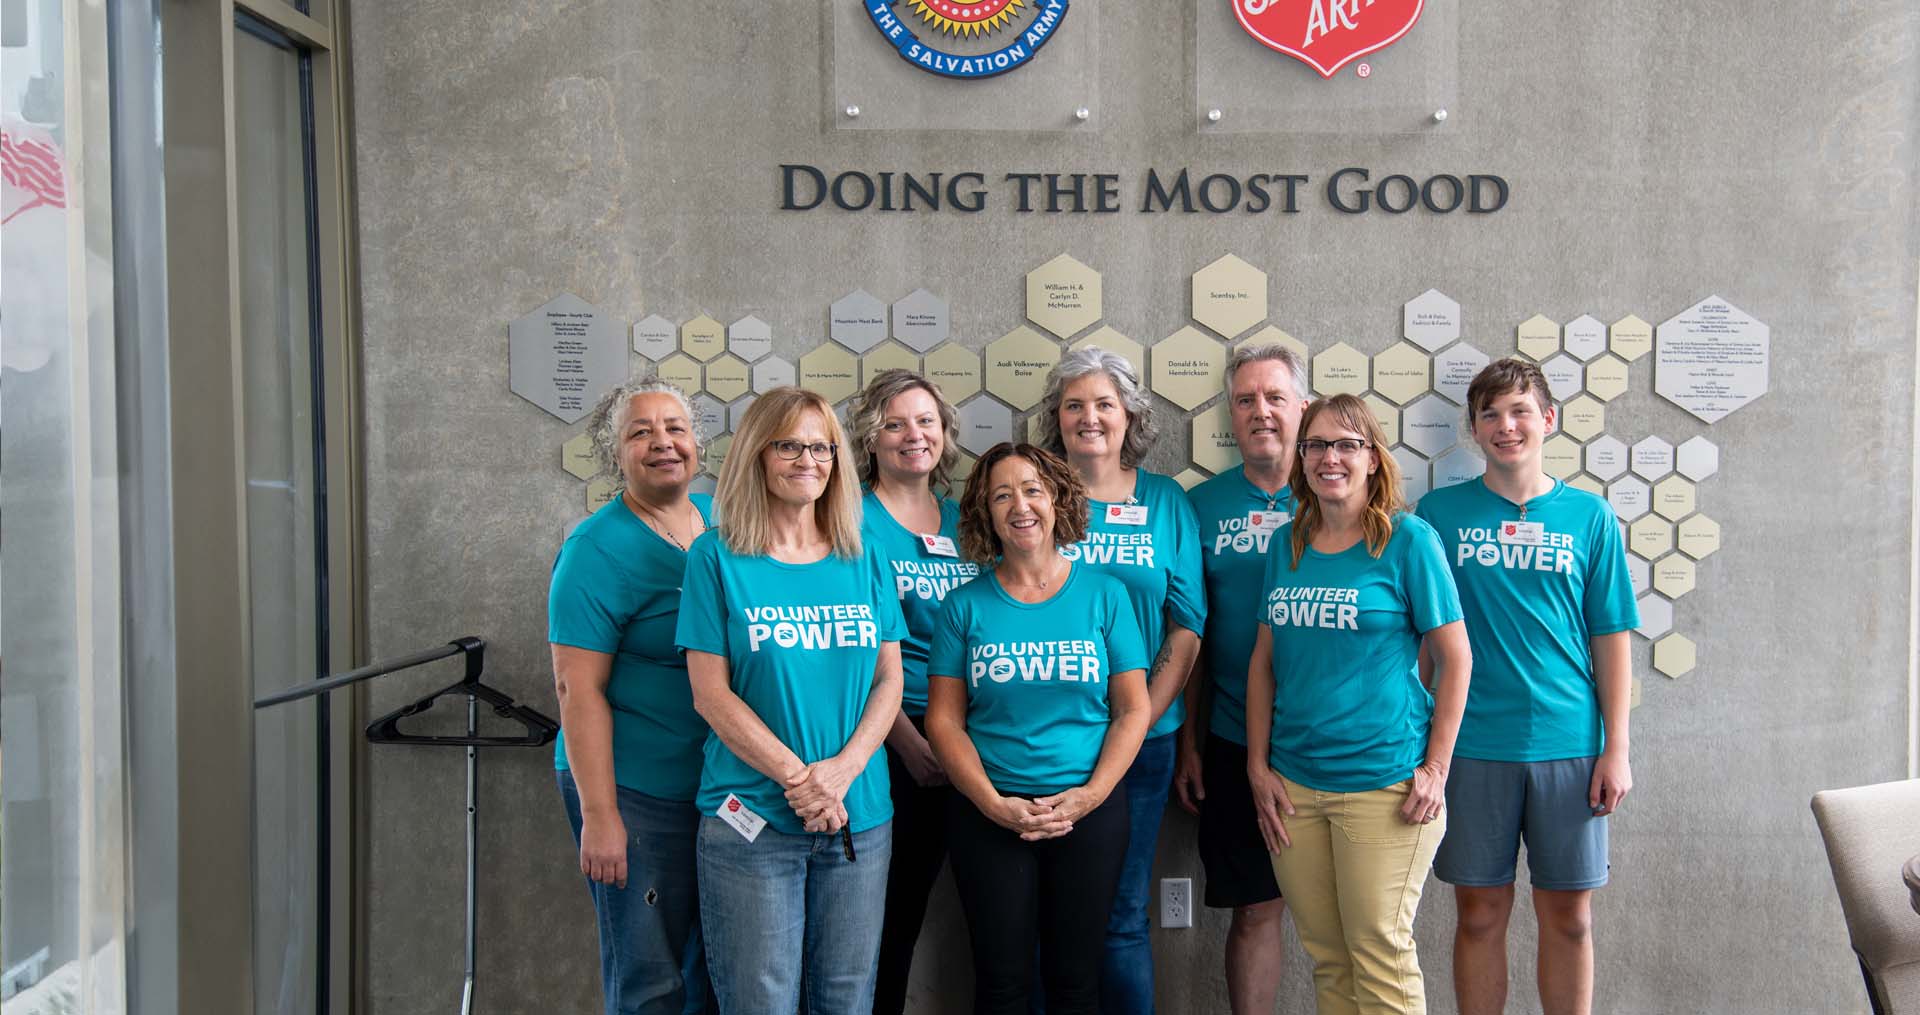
x,y
966,39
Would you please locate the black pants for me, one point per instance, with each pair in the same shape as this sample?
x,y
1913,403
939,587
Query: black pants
x,y
919,848
1056,892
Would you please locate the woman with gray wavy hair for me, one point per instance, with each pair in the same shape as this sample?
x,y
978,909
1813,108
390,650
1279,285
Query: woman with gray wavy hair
x,y
1142,530
905,434
629,754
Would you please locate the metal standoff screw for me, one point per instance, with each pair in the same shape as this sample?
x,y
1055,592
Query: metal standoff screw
x,y
853,110
1439,116
1213,116
1082,113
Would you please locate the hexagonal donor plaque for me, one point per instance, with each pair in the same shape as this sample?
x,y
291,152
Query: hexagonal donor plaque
x,y
831,371
956,369
1017,365
703,338
1563,376
1656,617
1607,378
729,377
1457,466
1537,337
920,320
1416,476
983,423
1187,367
749,338
1698,537
1340,369
1430,425
1105,337
1271,335
1674,655
1652,458
1229,296
887,356
1214,448
1583,418
1697,458
564,356
1607,457
1455,369
1386,414
1430,320
773,372
578,458
1063,296
1584,337
1400,373
857,321
1630,338
655,337
1711,359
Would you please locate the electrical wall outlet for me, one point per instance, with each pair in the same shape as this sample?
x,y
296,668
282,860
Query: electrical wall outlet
x,y
1176,902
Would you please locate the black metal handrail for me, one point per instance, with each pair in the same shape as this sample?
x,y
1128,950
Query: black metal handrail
x,y
474,649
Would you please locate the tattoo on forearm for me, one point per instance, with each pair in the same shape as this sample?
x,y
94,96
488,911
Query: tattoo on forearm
x,y
1160,659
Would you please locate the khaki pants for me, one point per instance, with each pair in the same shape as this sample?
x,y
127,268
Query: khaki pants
x,y
1353,878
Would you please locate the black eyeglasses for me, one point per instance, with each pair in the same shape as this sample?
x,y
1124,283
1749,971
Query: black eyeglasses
x,y
1345,446
789,451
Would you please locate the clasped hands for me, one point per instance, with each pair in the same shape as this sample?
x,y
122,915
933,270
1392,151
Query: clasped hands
x,y
1044,817
817,793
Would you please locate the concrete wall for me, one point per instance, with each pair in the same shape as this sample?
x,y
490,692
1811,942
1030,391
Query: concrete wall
x,y
1658,152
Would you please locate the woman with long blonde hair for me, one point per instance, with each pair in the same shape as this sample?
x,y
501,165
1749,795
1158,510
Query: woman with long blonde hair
x,y
792,635
1347,749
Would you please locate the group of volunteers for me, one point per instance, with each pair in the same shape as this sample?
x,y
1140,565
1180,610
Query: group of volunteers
x,y
1375,692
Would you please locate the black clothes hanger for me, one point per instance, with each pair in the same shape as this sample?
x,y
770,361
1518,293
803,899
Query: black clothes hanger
x,y
538,728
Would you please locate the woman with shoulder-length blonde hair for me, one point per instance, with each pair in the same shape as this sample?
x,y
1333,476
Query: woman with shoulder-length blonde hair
x,y
1347,749
906,443
792,635
1142,530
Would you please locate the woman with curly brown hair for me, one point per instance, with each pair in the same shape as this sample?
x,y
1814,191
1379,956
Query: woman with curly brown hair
x,y
1037,705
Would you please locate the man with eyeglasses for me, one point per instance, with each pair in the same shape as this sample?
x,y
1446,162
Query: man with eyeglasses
x,y
1239,510
1542,751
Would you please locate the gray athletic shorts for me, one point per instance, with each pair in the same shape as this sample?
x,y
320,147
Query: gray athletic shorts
x,y
1494,805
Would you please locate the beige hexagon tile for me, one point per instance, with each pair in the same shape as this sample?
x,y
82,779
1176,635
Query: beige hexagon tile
x,y
729,377
601,491
887,356
1190,478
1674,655
1698,537
1538,337
1630,338
716,454
956,369
1673,497
1107,338
1271,335
1017,365
1582,418
578,458
1607,378
1214,448
703,338
1386,414
1033,429
1229,296
1673,575
1650,536
1401,373
1187,367
962,468
831,371
1589,484
1340,369
681,370
1560,456
1063,296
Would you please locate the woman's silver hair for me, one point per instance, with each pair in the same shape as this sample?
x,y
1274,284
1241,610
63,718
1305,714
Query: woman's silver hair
x,y
1078,363
610,417
1271,352
869,412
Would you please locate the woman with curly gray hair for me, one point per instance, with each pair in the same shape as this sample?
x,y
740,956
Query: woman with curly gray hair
x,y
629,754
905,431
1142,530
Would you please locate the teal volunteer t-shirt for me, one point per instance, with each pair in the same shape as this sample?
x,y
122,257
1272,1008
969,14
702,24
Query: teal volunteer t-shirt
x,y
1533,599
1036,675
1350,713
801,642
616,589
1237,521
1152,544
922,575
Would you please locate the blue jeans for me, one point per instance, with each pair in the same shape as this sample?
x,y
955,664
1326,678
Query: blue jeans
x,y
785,913
651,960
1126,973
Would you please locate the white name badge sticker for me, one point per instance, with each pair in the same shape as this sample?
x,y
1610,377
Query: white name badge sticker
x,y
1268,522
1126,514
744,821
939,546
1523,533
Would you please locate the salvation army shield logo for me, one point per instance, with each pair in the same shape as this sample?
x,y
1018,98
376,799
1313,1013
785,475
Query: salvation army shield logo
x,y
1510,528
1327,34
966,39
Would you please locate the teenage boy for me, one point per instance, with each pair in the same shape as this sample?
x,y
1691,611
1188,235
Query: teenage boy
x,y
1542,754
1239,510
